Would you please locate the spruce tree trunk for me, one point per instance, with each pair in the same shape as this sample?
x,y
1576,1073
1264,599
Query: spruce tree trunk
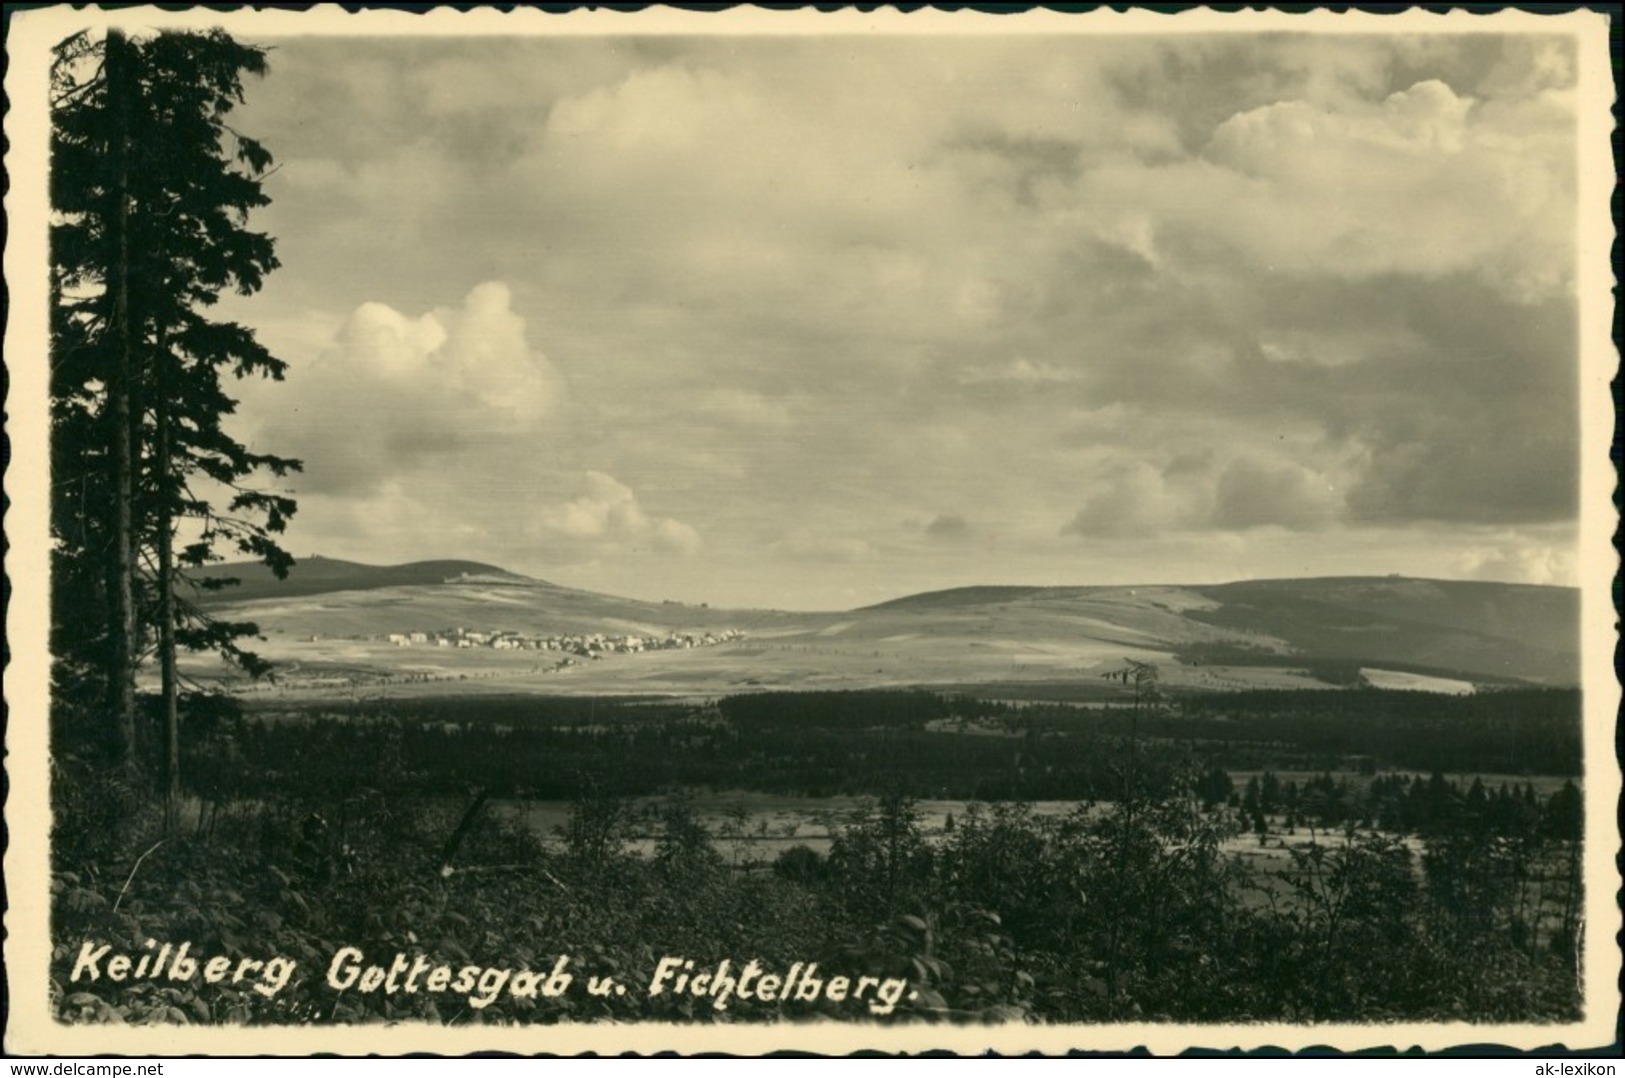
x,y
125,648
166,588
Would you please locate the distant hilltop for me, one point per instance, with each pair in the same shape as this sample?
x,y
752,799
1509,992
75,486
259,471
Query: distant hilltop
x,y
1492,631
315,575
1387,631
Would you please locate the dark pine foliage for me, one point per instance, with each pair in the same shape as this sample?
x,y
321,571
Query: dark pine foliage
x,y
151,190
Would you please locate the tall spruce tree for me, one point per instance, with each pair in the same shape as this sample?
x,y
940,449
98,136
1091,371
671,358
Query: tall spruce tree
x,y
150,194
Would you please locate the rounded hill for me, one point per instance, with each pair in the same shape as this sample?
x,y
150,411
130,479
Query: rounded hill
x,y
316,575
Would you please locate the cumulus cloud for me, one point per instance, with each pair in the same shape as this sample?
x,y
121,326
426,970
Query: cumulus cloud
x,y
1111,293
1253,493
1136,498
1521,560
1423,181
395,392
607,511
1132,498
676,536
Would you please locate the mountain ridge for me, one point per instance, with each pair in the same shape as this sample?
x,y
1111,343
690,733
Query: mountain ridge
x,y
340,574
318,575
1287,633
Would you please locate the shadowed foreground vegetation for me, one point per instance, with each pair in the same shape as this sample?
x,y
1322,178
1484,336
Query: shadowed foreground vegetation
x,y
1418,899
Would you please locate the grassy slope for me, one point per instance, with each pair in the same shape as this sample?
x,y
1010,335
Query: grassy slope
x,y
959,637
317,576
1500,630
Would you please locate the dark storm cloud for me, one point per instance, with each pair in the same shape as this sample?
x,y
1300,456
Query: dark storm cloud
x,y
1459,405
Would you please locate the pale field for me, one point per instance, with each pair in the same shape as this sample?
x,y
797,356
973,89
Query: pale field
x,y
1398,679
757,828
798,661
333,644
818,652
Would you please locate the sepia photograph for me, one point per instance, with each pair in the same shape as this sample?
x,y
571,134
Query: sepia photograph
x,y
773,530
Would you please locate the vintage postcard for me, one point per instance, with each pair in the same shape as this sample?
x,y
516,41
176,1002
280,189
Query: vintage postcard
x,y
659,531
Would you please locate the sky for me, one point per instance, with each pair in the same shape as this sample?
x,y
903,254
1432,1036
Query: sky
x,y
815,322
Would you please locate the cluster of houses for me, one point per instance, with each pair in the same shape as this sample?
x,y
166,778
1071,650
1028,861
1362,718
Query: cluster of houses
x,y
588,645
